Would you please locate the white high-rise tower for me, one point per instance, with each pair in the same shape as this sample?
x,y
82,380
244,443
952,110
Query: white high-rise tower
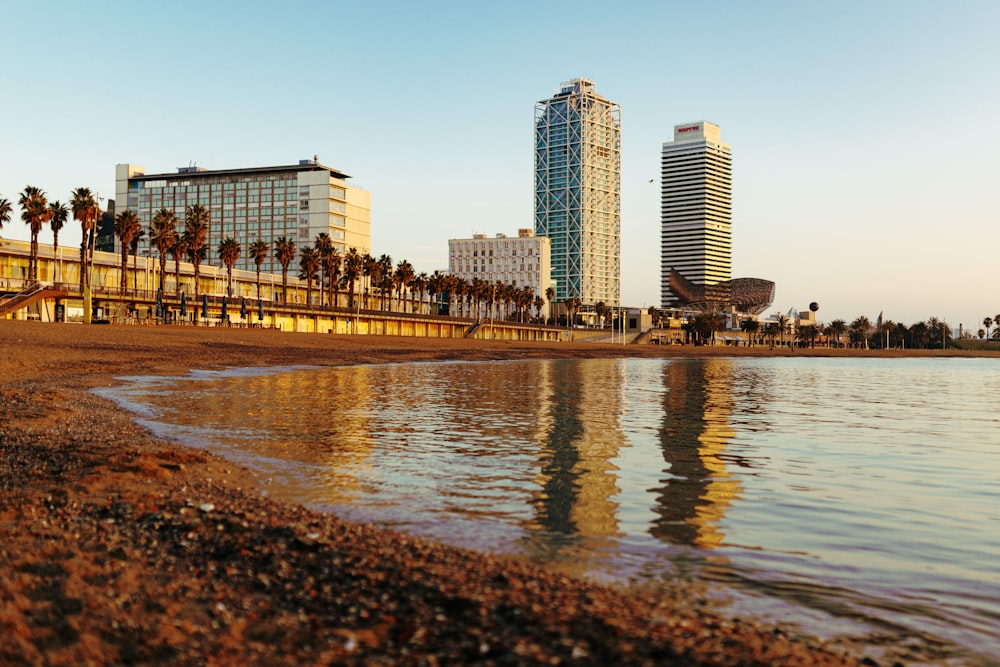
x,y
695,207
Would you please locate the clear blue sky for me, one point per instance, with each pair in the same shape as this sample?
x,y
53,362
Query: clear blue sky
x,y
865,135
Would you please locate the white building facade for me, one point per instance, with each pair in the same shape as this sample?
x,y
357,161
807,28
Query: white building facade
x,y
297,202
523,261
696,207
578,191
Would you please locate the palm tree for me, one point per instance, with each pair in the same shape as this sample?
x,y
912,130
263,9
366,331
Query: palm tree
x,y
196,221
435,286
539,304
370,269
404,277
939,327
706,323
229,252
309,265
987,323
377,279
784,325
259,250
885,333
35,213
550,294
808,333
331,267
353,268
86,210
284,252
177,251
324,246
996,326
135,255
859,330
574,307
750,327
419,285
771,331
162,236
59,214
127,228
5,211
836,329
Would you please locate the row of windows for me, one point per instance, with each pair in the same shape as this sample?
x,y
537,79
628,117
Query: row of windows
x,y
490,274
489,253
287,189
508,261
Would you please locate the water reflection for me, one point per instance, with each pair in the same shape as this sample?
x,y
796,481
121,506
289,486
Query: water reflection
x,y
719,469
578,435
697,489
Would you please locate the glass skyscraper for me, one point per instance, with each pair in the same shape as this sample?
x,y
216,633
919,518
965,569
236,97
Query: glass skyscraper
x,y
578,191
696,208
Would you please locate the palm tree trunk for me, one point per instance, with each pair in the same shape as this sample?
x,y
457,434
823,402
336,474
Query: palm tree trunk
x,y
123,282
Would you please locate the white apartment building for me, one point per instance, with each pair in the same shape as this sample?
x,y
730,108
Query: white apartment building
x,y
297,202
696,207
524,261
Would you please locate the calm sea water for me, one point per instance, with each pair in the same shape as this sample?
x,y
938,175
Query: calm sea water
x,y
859,498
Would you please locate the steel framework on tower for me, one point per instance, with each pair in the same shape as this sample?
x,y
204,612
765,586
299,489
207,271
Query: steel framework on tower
x,y
578,191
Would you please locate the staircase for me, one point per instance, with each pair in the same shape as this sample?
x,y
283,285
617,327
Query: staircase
x,y
30,295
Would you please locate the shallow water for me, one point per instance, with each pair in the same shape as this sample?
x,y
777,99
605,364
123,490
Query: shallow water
x,y
857,497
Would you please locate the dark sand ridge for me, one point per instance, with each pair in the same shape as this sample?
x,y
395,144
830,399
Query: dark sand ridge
x,y
117,547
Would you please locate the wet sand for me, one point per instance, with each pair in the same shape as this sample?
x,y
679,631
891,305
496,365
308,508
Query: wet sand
x,y
120,548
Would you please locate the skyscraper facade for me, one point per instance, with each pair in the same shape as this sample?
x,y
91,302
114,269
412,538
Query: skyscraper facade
x,y
578,191
695,208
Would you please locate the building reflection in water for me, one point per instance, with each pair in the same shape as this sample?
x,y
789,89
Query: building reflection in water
x,y
272,422
515,456
578,435
697,490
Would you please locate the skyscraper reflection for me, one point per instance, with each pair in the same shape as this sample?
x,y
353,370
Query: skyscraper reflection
x,y
697,489
578,435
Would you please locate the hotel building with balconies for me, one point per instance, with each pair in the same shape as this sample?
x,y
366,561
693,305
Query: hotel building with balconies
x,y
297,202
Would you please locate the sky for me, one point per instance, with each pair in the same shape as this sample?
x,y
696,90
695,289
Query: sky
x,y
865,135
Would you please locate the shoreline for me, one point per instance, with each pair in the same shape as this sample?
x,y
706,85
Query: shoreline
x,y
123,547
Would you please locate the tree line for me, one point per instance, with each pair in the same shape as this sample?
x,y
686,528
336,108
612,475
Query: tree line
x,y
369,282
860,333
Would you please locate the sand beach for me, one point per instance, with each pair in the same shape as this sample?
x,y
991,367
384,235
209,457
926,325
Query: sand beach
x,y
120,548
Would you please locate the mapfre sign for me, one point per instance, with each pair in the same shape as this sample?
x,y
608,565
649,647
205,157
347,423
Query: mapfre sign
x,y
689,128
